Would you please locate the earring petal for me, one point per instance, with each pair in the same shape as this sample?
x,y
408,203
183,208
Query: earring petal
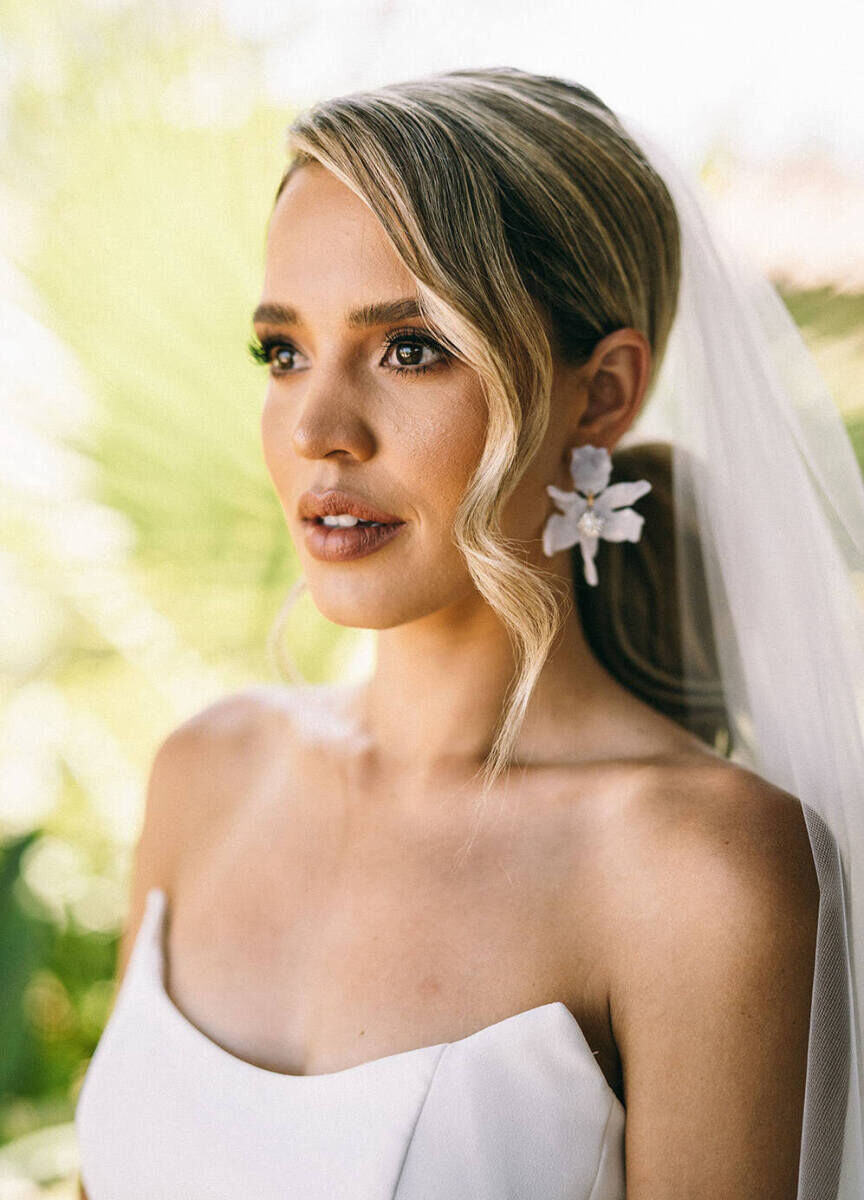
x,y
559,533
588,546
590,467
570,502
619,494
623,525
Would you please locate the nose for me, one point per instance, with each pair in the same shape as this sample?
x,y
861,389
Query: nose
x,y
330,419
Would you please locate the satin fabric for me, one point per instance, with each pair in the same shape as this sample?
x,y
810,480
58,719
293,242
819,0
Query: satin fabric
x,y
519,1108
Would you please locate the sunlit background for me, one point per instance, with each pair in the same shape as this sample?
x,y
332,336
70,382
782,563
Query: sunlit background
x,y
143,555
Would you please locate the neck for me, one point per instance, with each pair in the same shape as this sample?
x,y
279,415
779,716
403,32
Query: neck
x,y
438,689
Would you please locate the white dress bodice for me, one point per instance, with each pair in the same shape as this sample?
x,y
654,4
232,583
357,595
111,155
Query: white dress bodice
x,y
520,1109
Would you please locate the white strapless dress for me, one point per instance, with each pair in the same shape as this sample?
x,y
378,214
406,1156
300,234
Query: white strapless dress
x,y
519,1110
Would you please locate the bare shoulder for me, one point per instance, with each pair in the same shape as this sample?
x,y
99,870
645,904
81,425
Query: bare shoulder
x,y
722,825
710,845
715,919
305,712
232,717
194,760
197,773
211,758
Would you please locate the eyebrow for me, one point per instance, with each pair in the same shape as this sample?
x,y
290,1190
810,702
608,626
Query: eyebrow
x,y
381,313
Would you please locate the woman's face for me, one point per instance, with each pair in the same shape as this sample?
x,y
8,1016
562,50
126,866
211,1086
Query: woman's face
x,y
400,426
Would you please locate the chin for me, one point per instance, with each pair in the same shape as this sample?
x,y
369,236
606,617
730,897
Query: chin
x,y
348,603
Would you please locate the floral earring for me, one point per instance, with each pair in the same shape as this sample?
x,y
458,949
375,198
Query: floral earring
x,y
598,513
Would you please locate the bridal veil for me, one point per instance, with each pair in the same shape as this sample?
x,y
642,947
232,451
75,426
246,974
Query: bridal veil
x,y
764,470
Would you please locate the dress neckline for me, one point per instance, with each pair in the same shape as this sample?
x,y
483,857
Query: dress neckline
x,y
155,910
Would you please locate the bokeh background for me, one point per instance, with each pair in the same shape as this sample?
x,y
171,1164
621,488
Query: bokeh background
x,y
143,554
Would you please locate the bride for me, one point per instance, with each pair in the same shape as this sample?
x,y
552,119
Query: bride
x,y
520,915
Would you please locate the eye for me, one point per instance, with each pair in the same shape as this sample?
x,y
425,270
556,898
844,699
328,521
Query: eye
x,y
269,350
410,345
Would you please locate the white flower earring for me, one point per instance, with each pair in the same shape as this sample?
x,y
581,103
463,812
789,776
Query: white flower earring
x,y
598,513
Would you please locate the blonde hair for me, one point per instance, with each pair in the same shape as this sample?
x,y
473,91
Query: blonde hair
x,y
534,226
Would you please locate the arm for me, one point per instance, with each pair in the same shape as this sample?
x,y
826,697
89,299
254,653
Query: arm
x,y
711,999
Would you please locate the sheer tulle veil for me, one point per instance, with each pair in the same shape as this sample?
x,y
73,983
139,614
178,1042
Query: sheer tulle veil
x,y
763,466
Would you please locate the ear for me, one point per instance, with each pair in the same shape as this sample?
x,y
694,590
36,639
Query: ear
x,y
614,379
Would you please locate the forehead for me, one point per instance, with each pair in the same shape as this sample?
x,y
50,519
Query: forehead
x,y
323,239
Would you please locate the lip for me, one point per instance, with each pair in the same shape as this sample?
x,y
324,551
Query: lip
x,y
334,501
345,543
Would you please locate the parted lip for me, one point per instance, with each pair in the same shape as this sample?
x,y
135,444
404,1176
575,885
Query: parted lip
x,y
331,503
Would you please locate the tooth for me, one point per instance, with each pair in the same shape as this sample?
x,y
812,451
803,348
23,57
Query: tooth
x,y
347,521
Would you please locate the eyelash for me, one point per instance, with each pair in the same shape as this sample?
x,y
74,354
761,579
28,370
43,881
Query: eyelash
x,y
261,350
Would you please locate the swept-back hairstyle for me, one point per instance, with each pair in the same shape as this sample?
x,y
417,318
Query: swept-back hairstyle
x,y
534,226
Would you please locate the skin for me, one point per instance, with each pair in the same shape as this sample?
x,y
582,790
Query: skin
x,y
668,897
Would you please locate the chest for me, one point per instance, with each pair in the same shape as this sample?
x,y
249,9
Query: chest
x,y
309,942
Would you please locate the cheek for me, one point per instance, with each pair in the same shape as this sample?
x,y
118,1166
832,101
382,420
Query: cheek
x,y
444,456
